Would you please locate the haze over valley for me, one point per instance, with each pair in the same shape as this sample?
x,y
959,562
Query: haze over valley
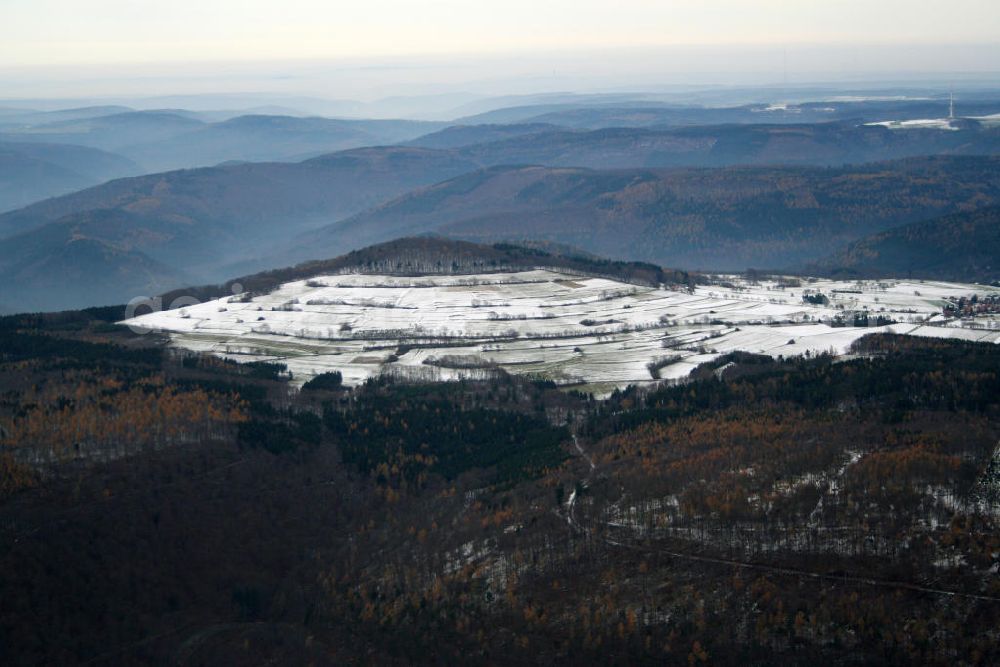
x,y
785,195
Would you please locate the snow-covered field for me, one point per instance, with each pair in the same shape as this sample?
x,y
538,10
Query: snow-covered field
x,y
919,124
594,332
993,120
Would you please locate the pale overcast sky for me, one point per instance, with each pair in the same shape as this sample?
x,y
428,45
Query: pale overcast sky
x,y
47,32
366,49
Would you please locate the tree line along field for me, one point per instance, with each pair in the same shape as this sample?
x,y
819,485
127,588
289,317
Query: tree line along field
x,y
769,510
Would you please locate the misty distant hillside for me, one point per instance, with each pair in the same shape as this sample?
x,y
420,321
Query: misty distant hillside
x,y
185,141
730,218
458,136
297,194
825,144
261,138
643,113
211,222
636,114
199,221
625,137
962,247
71,262
112,132
163,140
18,118
30,172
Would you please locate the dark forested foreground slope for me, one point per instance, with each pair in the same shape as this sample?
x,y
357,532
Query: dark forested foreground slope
x,y
157,509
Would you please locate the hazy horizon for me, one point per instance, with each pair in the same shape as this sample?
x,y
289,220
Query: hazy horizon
x,y
47,32
124,49
443,83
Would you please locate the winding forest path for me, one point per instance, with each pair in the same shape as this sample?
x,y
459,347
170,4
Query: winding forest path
x,y
571,503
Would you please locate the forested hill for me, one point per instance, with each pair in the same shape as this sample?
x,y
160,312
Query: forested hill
x,y
31,172
962,247
439,255
212,223
723,219
816,144
192,222
252,195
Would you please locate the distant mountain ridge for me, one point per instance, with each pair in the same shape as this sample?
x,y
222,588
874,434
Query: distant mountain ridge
x,y
725,219
822,144
111,132
323,188
257,138
211,222
48,279
646,113
260,138
199,221
460,136
172,139
30,172
624,148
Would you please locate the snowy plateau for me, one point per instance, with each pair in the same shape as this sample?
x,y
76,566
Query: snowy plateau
x,y
589,332
918,124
